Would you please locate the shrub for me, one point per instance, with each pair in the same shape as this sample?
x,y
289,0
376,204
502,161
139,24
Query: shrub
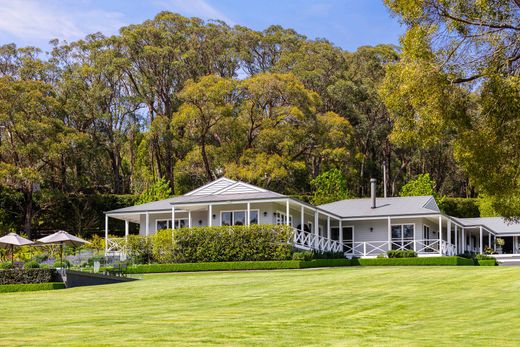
x,y
99,258
328,255
6,265
6,288
487,262
31,265
231,243
139,249
307,255
61,264
40,257
483,257
17,276
401,253
419,261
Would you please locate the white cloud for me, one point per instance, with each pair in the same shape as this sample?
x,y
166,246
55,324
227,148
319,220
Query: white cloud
x,y
38,20
194,8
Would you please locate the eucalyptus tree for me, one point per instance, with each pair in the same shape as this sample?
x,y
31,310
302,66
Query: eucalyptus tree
x,y
459,74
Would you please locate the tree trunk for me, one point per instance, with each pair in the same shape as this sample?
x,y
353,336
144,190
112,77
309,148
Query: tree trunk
x,y
28,194
207,167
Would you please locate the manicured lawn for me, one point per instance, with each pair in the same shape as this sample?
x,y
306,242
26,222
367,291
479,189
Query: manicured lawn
x,y
427,306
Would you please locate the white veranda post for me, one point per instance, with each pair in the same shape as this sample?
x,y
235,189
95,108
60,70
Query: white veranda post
x,y
287,221
173,217
463,240
389,232
248,214
328,227
189,218
106,234
440,235
481,239
489,239
456,239
127,229
210,215
302,217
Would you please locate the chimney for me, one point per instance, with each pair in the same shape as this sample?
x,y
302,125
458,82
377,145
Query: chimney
x,y
373,191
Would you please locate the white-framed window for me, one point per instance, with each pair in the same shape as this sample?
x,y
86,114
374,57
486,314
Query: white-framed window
x,y
167,223
238,217
280,218
402,234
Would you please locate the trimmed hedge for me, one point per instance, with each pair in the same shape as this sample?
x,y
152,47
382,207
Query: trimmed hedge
x,y
420,261
212,244
239,265
26,276
29,287
487,262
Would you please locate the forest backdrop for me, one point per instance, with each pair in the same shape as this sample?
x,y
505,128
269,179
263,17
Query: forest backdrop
x,y
174,102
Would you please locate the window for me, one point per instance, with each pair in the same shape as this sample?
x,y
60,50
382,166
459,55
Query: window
x,y
402,234
238,217
348,238
280,218
161,224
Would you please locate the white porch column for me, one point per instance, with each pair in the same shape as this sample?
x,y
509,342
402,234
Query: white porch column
x,y
127,229
457,239
106,234
173,217
449,231
464,247
340,236
287,212
248,214
189,218
489,239
440,235
210,215
414,238
302,217
147,226
494,243
389,232
316,221
481,240
328,227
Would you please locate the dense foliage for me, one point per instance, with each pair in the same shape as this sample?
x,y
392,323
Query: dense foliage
x,y
21,276
173,102
212,244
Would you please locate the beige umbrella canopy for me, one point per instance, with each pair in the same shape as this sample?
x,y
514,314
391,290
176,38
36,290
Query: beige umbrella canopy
x,y
11,240
62,237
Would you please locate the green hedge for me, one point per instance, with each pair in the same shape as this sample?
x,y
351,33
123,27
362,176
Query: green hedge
x,y
239,265
487,262
28,287
420,261
26,276
212,244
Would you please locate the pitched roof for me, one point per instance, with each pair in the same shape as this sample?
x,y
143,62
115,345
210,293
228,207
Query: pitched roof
x,y
222,189
395,206
498,225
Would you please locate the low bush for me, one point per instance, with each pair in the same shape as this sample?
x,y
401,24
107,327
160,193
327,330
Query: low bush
x,y
419,261
61,264
483,257
306,255
6,265
99,258
7,288
24,276
31,265
328,255
487,262
401,253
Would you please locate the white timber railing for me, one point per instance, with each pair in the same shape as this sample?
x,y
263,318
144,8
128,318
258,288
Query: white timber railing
x,y
310,241
374,248
116,246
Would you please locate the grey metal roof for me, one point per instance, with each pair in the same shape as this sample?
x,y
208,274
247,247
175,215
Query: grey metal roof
x,y
498,225
395,206
220,190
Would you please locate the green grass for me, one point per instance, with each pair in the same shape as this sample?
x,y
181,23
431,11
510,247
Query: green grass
x,y
427,306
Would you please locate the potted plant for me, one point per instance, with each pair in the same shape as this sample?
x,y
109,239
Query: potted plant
x,y
500,242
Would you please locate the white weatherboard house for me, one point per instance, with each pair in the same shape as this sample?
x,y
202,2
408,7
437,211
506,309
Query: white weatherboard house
x,y
357,227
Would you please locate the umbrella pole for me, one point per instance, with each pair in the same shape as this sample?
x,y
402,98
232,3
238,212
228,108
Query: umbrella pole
x,y
12,254
61,254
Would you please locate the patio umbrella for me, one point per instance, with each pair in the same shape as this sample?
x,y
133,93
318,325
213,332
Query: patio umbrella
x,y
11,240
61,238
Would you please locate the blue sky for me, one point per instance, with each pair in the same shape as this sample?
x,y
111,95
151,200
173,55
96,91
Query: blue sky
x,y
347,23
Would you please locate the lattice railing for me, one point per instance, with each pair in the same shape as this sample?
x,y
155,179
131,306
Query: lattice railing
x,y
310,241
